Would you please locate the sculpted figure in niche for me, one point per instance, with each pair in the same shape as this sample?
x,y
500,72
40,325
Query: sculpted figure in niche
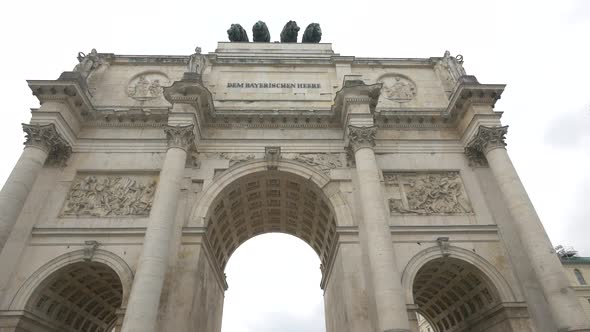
x,y
289,33
260,32
236,33
312,34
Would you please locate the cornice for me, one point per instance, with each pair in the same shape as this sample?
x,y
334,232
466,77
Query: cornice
x,y
354,91
469,91
128,118
70,89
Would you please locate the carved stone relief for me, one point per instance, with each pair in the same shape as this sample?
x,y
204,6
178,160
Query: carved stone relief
x,y
110,196
398,88
321,161
234,158
147,86
427,193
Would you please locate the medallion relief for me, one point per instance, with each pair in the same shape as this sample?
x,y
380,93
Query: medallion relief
x,y
398,88
426,193
147,86
110,196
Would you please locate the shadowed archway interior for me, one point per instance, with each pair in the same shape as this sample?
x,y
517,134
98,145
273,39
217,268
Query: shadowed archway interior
x,y
271,201
452,294
82,296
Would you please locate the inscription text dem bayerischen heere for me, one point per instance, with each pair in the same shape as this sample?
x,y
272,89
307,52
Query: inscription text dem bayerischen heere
x,y
274,85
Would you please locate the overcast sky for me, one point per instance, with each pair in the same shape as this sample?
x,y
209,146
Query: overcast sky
x,y
540,49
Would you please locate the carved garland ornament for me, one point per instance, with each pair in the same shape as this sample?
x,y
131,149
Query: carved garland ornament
x,y
48,139
361,137
110,196
427,193
182,137
486,139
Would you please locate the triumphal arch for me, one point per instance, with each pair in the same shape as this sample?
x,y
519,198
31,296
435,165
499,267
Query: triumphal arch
x,y
141,175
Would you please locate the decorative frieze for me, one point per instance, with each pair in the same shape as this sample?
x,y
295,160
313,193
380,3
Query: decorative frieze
x,y
47,138
182,137
426,193
234,158
321,161
488,138
361,137
110,196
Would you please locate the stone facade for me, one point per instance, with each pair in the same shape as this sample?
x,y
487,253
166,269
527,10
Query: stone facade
x,y
142,174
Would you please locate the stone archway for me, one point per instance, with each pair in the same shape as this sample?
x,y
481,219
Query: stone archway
x,y
270,201
82,296
249,200
454,295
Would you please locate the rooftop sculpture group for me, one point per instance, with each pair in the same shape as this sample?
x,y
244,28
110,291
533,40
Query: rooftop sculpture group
x,y
260,33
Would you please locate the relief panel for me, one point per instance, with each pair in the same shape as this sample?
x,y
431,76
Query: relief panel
x,y
110,196
426,193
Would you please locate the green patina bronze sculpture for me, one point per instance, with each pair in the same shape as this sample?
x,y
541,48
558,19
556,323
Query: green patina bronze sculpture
x,y
237,34
289,33
312,34
260,32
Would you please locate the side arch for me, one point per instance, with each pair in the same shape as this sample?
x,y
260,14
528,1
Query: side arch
x,y
334,195
420,259
108,258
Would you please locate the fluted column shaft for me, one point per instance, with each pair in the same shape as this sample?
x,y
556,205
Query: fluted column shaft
x,y
142,308
41,140
389,295
565,308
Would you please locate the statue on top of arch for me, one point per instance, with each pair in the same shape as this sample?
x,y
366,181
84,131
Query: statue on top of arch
x,y
87,63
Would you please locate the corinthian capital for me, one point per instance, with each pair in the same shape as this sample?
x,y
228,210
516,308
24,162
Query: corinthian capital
x,y
181,137
47,138
361,137
488,138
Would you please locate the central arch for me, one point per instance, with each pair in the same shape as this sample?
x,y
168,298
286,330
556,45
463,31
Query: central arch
x,y
250,199
270,201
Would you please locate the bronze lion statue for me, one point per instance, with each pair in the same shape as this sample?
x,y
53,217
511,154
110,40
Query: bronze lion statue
x,y
237,34
289,33
312,34
260,32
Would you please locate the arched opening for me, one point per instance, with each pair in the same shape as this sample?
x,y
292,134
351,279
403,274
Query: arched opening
x,y
82,296
453,295
266,202
271,202
273,282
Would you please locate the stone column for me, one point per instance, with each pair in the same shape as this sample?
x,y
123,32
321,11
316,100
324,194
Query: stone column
x,y
567,313
389,295
41,142
142,308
